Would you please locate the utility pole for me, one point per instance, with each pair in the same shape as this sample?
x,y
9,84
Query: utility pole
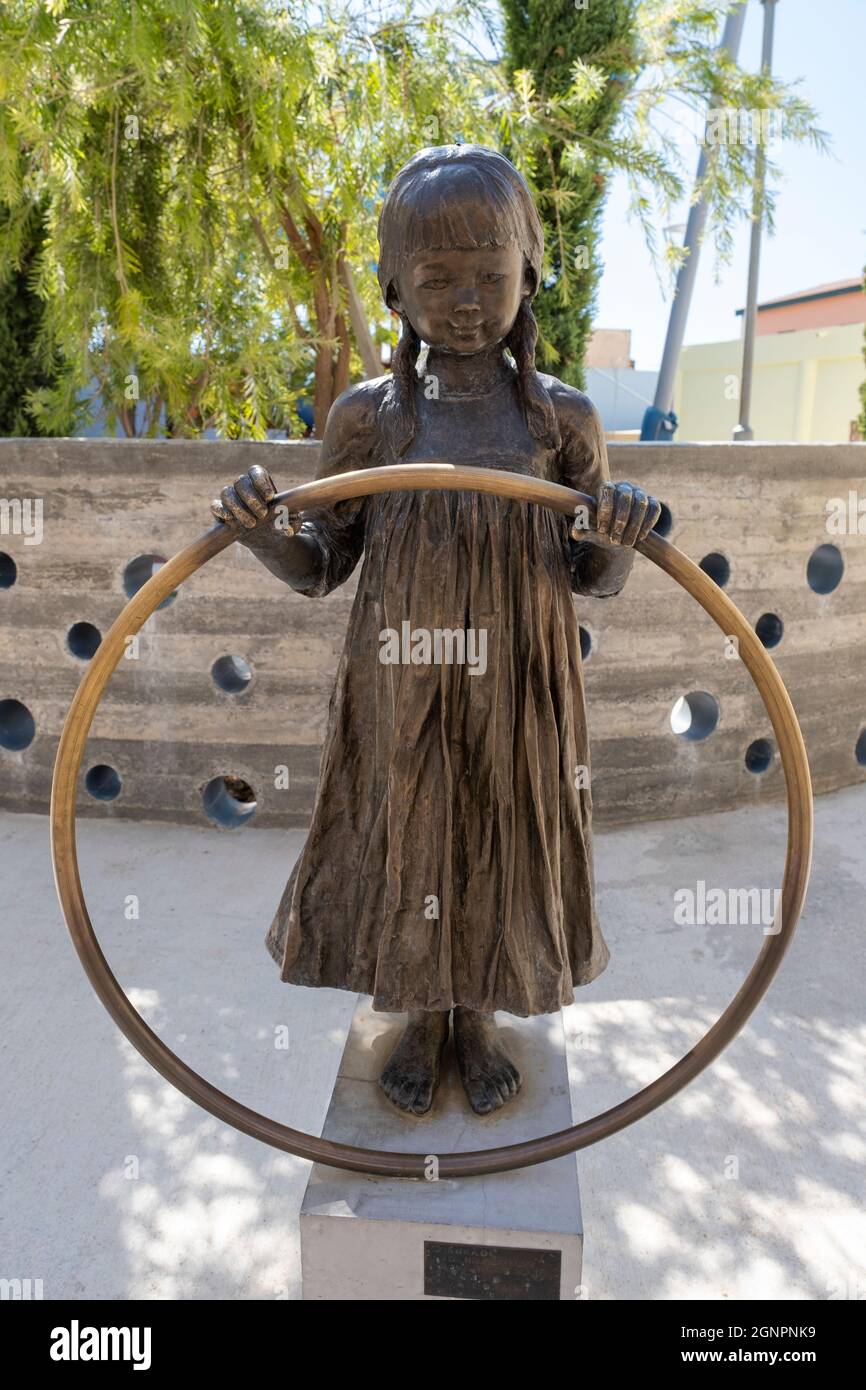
x,y
659,421
744,432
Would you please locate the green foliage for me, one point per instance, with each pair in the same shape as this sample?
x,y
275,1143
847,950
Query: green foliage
x,y
26,350
205,166
591,53
607,89
208,169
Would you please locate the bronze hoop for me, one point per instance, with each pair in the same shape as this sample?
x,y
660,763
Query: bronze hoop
x,y
407,1165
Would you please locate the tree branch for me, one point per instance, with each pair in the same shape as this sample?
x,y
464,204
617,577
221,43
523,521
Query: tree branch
x,y
367,349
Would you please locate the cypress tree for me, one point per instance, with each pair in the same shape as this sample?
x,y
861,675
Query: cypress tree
x,y
25,365
548,37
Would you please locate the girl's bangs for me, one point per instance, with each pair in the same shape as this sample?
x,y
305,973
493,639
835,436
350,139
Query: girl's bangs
x,y
460,212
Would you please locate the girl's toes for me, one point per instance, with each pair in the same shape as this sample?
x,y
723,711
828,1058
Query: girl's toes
x,y
484,1096
513,1076
392,1084
497,1091
501,1082
480,1102
423,1098
406,1094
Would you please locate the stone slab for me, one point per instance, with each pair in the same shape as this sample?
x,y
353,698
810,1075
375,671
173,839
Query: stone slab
x,y
368,1238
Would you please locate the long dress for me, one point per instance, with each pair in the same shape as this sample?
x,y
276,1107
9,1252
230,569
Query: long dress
x,y
449,857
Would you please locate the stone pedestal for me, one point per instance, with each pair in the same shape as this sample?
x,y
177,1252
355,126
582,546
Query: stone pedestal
x,y
510,1236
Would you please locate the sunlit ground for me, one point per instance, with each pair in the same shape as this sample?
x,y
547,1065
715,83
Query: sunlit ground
x,y
748,1185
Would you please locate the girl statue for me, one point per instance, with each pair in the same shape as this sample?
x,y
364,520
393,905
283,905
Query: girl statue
x,y
448,869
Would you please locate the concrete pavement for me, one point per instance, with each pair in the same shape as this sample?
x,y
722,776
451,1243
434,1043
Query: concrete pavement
x,y
748,1185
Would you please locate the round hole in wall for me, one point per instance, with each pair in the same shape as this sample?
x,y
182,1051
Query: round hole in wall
x,y
229,801
695,716
769,629
232,673
860,748
665,521
8,570
137,573
825,568
103,782
718,567
17,726
759,755
83,639
585,642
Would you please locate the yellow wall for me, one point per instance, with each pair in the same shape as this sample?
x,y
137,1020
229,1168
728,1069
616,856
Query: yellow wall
x,y
806,386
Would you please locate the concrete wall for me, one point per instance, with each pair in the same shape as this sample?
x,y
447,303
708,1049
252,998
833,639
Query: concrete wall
x,y
806,386
167,730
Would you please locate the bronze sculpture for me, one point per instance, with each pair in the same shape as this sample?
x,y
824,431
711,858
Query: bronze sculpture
x,y
449,862
464,1163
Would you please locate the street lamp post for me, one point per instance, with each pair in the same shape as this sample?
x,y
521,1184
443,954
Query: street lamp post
x,y
743,431
659,421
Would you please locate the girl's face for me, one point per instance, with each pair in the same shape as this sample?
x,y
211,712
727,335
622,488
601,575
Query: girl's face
x,y
463,301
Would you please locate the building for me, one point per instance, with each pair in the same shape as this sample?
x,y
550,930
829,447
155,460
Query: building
x,y
826,306
620,392
809,368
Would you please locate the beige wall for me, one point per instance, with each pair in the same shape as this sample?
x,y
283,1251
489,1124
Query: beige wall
x,y
806,386
168,730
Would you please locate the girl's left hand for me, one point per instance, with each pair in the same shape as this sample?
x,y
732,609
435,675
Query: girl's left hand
x,y
625,514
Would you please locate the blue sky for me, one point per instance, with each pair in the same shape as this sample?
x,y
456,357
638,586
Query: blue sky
x,y
821,209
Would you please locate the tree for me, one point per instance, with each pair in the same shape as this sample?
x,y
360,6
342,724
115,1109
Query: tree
x,y
609,85
26,351
211,173
548,38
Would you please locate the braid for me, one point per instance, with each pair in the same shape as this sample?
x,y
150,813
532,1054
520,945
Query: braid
x,y
537,406
403,376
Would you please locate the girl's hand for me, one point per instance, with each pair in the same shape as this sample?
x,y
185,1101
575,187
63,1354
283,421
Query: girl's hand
x,y
625,514
245,504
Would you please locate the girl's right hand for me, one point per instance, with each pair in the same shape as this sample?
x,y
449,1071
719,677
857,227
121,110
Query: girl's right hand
x,y
245,504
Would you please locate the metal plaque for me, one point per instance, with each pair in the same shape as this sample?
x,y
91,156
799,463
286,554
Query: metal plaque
x,y
491,1272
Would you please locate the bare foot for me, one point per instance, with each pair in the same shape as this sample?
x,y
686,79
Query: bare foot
x,y
411,1074
489,1076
